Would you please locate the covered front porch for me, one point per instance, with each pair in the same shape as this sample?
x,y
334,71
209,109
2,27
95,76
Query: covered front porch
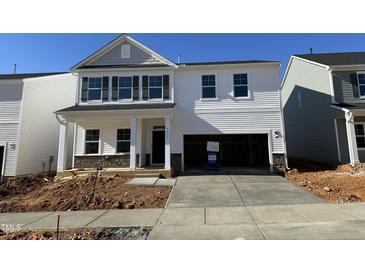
x,y
116,141
350,134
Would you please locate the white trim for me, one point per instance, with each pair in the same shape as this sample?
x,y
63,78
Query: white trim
x,y
149,87
116,141
215,87
283,135
249,93
351,138
74,144
100,141
337,141
358,83
270,148
332,89
2,168
363,124
101,91
133,143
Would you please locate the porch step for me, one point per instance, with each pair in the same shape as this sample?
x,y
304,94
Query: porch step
x,y
147,175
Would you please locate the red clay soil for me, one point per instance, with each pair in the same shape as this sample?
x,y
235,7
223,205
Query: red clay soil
x,y
38,193
340,184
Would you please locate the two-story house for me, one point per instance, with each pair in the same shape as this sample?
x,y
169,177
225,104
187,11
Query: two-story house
x,y
135,108
28,127
324,107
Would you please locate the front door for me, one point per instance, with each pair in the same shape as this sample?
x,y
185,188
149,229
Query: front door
x,y
158,147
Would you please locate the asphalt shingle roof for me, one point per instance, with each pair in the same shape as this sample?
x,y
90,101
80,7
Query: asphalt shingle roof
x,y
336,59
27,75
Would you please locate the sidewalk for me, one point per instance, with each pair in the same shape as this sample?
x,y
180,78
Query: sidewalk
x,y
304,221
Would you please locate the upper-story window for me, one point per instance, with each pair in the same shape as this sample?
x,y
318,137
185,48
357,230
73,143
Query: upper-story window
x,y
360,135
155,87
208,86
240,85
361,81
125,88
94,90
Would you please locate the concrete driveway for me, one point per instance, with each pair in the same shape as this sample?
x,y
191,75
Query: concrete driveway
x,y
247,206
231,189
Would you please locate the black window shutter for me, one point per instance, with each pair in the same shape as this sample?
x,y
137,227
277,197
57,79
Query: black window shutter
x,y
145,87
166,86
355,87
84,88
105,88
135,87
115,88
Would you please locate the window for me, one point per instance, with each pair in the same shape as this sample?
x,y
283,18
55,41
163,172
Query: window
x,y
123,140
92,141
360,135
155,87
208,84
94,91
240,86
125,88
126,51
361,81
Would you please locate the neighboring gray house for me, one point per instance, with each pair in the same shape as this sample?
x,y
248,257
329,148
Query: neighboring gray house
x,y
323,97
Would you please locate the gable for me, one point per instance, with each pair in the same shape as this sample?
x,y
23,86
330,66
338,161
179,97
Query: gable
x,y
124,51
137,57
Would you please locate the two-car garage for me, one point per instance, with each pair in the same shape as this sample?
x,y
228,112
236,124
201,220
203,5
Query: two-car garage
x,y
235,150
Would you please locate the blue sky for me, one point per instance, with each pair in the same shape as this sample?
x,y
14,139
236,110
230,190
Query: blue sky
x,y
58,52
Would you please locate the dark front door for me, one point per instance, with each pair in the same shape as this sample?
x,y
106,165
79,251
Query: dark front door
x,y
158,147
1,160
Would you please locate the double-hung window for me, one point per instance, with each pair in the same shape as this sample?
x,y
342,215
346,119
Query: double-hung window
x,y
94,90
360,135
92,139
125,88
361,81
123,140
155,87
240,85
208,86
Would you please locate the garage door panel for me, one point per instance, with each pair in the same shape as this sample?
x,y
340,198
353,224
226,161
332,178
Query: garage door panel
x,y
235,149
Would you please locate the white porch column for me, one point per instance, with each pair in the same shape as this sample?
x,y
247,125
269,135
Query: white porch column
x,y
132,159
351,138
139,142
62,148
167,142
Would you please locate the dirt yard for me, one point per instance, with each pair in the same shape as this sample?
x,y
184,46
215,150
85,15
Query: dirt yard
x,y
38,193
122,233
340,184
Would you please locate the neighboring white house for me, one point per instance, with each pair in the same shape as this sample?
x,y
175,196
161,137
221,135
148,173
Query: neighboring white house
x,y
136,108
28,127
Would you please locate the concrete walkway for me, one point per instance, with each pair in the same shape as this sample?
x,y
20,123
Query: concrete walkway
x,y
228,206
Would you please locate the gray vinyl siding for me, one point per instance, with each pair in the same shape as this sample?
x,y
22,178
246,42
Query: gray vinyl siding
x,y
137,56
310,128
343,87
